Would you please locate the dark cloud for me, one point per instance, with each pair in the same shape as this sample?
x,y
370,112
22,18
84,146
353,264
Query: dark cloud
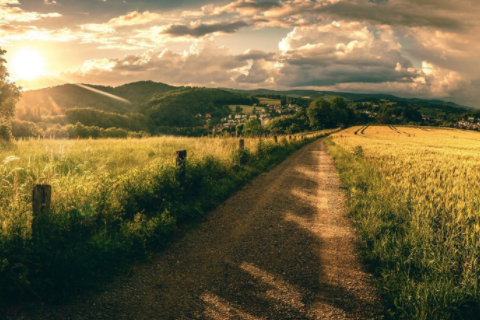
x,y
393,14
267,5
202,29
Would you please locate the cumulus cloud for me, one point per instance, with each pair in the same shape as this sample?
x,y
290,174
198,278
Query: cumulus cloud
x,y
9,12
13,28
206,64
425,48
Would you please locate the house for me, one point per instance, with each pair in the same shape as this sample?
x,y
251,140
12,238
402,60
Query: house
x,y
238,116
253,116
471,119
198,116
265,121
208,116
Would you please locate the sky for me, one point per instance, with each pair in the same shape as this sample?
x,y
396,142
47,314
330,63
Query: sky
x,y
409,48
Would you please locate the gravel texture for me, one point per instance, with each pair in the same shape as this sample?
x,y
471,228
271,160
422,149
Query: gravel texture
x,y
279,248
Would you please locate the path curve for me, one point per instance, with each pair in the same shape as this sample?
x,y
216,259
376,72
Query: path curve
x,y
279,248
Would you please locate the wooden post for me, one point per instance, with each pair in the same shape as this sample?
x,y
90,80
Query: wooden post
x,y
242,155
181,157
41,199
180,161
289,137
276,139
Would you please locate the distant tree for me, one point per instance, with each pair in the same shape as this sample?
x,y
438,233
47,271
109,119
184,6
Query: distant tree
x,y
294,128
341,113
238,109
320,114
9,96
253,127
25,129
239,129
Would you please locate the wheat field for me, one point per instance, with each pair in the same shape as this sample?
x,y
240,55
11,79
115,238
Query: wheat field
x,y
421,217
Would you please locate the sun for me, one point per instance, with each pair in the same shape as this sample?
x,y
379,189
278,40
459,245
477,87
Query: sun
x,y
27,64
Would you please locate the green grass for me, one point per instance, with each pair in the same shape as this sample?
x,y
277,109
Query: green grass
x,y
418,279
114,203
269,101
246,109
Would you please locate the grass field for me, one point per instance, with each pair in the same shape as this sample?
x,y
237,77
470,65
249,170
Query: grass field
x,y
269,101
246,109
114,202
415,199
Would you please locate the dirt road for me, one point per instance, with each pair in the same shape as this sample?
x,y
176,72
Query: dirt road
x,y
280,248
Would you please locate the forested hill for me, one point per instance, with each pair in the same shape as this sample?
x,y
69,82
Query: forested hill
x,y
179,107
140,106
67,96
355,97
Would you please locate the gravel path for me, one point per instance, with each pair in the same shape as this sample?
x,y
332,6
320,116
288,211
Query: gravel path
x,y
280,248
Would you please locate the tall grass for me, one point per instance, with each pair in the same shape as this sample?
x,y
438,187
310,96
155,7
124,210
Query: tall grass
x,y
414,197
114,202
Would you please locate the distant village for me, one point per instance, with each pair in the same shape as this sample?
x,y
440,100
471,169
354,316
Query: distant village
x,y
265,114
468,124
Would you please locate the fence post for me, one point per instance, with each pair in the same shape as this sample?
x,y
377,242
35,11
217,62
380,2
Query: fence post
x,y
289,137
181,157
276,139
242,155
41,199
180,161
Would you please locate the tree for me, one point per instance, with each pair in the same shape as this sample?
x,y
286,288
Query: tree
x,y
341,113
239,129
253,128
320,114
238,109
9,96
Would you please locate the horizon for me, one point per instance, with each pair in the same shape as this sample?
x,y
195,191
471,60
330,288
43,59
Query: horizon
x,y
365,47
273,90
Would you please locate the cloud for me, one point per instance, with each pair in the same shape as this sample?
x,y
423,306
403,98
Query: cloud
x,y
394,13
9,14
425,48
206,64
197,30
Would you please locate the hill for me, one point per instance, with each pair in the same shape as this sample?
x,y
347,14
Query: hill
x,y
56,100
355,97
161,108
179,107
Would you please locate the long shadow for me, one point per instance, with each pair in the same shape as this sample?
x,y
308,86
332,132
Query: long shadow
x,y
257,257
279,272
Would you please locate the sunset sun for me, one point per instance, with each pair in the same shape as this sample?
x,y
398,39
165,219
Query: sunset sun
x,y
27,64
